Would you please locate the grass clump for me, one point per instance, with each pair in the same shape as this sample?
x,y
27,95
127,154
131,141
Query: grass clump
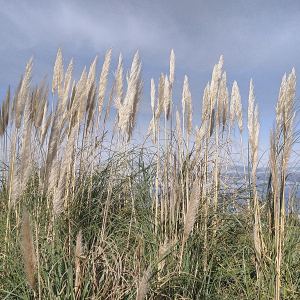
x,y
98,215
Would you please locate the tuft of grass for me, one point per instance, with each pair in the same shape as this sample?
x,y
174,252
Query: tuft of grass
x,y
99,214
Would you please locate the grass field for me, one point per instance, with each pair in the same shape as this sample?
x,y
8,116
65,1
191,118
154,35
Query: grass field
x,y
87,213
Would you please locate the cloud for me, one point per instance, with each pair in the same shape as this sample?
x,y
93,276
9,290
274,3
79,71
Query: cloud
x,y
247,33
258,39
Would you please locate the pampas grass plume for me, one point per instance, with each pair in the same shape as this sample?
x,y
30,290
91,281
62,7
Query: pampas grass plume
x,y
160,103
161,251
57,64
92,73
150,128
189,119
167,98
221,98
225,108
216,76
178,128
212,122
288,145
119,83
290,94
26,146
24,93
109,102
205,101
255,139
192,211
27,247
44,103
103,80
279,106
143,287
77,259
184,94
67,83
152,95
232,107
172,68
250,110
238,106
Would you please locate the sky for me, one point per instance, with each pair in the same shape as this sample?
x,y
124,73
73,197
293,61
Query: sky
x,y
258,40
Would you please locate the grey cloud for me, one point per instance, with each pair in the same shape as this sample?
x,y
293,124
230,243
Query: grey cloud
x,y
247,33
258,39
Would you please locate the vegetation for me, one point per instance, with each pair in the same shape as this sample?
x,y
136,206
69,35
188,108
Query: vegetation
x,y
91,214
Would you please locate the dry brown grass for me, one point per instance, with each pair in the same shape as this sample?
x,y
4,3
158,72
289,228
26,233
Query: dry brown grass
x,y
28,247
